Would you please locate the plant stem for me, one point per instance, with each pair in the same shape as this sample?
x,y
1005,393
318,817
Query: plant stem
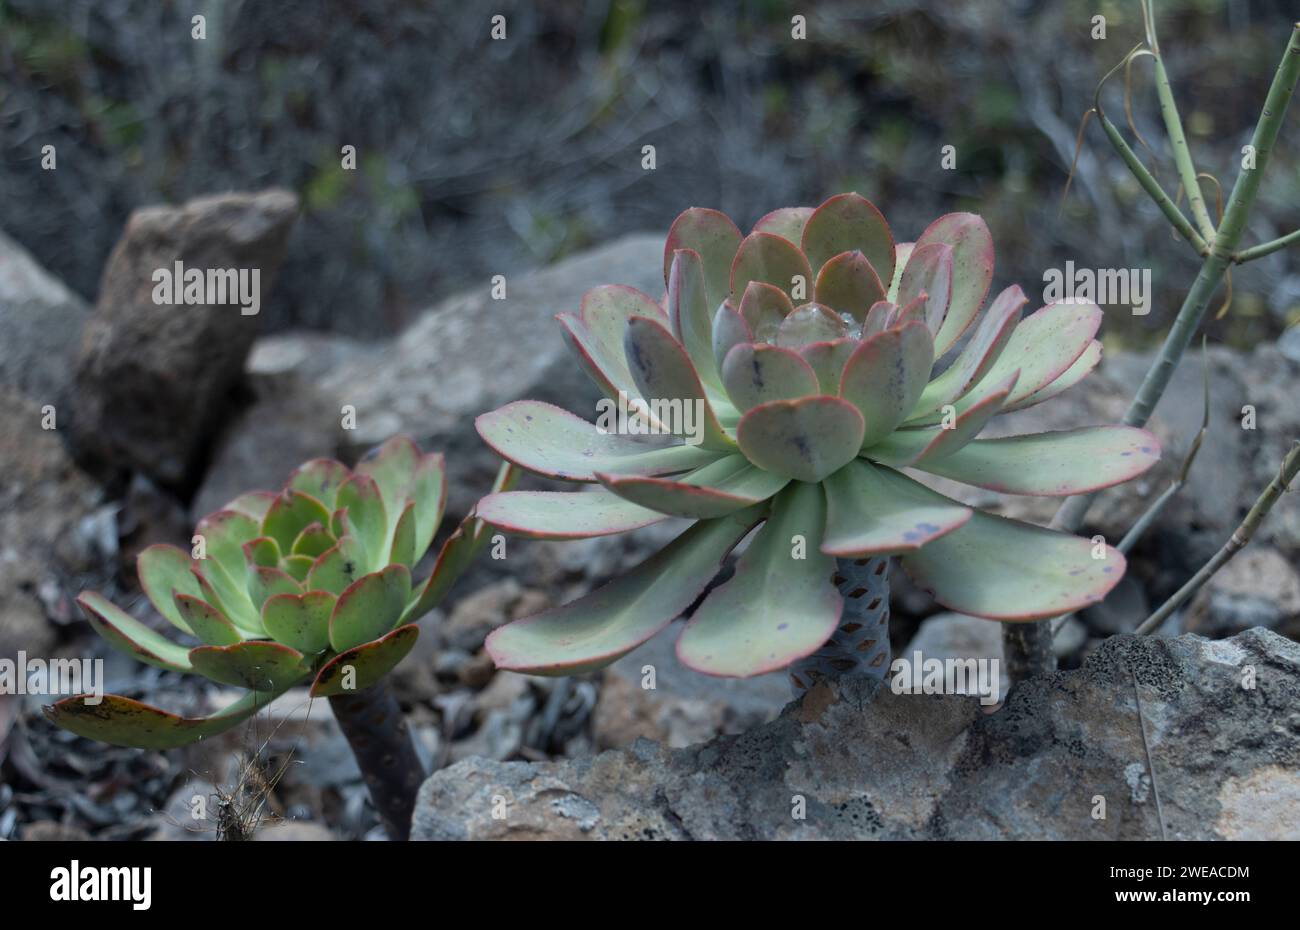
x,y
1241,536
377,732
1177,138
1266,248
1023,644
859,647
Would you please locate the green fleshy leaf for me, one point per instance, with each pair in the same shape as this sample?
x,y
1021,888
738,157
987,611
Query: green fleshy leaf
x,y
231,597
1007,570
367,519
553,442
727,485
877,511
729,331
611,621
370,608
298,567
1044,346
259,665
1052,464
972,271
979,356
605,366
902,254
755,374
827,360
338,568
906,447
715,238
164,570
848,284
129,635
664,374
787,222
209,624
292,512
265,582
429,492
763,308
313,541
263,551
364,665
847,223
772,260
319,478
878,318
779,606
564,514
1081,368
808,324
253,505
121,721
691,316
301,621
224,534
929,271
885,375
403,549
803,439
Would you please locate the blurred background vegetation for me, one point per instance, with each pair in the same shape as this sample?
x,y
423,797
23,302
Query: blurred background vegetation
x,y
477,157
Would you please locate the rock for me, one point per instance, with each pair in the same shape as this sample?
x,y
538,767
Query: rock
x,y
852,760
47,831
470,354
177,820
285,426
41,320
295,831
684,707
1258,587
477,615
55,529
153,381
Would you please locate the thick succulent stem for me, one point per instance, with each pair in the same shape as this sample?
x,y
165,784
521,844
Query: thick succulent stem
x,y
377,732
860,645
1027,647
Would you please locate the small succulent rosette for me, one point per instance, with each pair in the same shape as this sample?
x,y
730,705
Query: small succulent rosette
x,y
809,350
311,584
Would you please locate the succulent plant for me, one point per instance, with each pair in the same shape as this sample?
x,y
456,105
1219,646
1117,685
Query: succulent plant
x,y
311,584
810,348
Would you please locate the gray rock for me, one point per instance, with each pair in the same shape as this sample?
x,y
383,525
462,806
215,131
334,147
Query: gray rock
x,y
858,761
54,526
41,320
1258,587
471,354
290,422
153,381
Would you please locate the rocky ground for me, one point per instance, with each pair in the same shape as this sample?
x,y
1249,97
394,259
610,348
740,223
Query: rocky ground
x,y
691,757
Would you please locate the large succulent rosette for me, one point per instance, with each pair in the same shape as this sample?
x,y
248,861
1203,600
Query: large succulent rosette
x,y
826,362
